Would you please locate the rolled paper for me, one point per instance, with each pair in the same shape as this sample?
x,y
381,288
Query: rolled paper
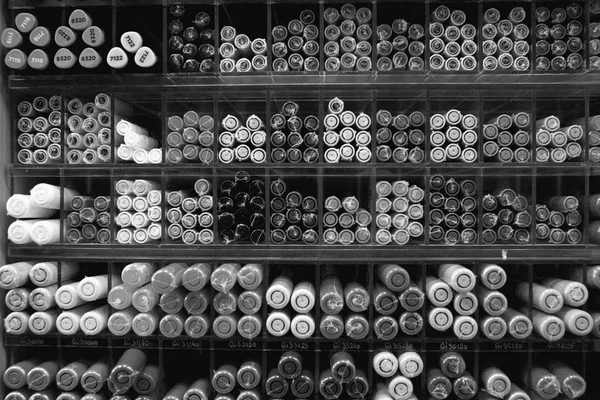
x,y
357,326
45,231
199,390
46,273
17,299
519,326
171,325
549,327
93,379
19,232
465,303
440,318
493,328
400,387
15,376
249,302
67,297
438,292
15,275
48,196
577,322
95,321
68,377
131,41
543,382
544,299
224,379
250,276
574,293
93,288
290,364
342,366
410,364
279,292
457,277
516,393
93,396
384,300
590,275
120,296
493,302
17,323
42,376
168,278
43,298
278,323
138,274
224,277
145,298
249,326
196,303
452,364
23,206
120,322
196,276
332,296
492,276
127,370
394,277
146,323
42,322
226,303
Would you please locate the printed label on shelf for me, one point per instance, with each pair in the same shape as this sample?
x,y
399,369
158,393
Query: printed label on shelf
x,y
141,343
514,345
237,344
84,342
292,345
561,345
394,346
345,345
11,340
183,344
452,346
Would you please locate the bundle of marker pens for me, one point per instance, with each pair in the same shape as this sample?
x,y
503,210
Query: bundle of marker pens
x,y
507,138
453,45
505,40
395,41
39,130
296,47
506,217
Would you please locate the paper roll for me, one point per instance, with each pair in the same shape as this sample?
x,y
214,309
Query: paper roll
x,y
66,296
68,322
493,302
224,379
93,288
465,327
196,276
95,321
400,387
384,300
394,277
343,367
250,302
572,384
278,323
279,292
127,370
224,277
332,295
493,328
146,323
15,275
17,323
48,196
138,274
42,376
173,302
199,390
356,297
413,298
465,303
438,292
45,231
92,380
303,326
410,364
385,364
119,323
356,326
17,299
250,276
495,382
543,382
440,318
23,206
46,273
452,364
548,326
574,293
43,298
492,276
331,326
590,275
121,296
577,322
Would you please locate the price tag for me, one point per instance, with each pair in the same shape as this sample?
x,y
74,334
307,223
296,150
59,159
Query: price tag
x,y
40,37
16,59
11,38
89,58
38,59
64,59
26,22
64,36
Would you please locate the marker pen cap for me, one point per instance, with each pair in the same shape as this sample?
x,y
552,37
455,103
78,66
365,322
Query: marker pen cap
x,y
413,298
25,22
438,292
145,324
224,277
197,326
465,386
465,303
385,327
303,386
357,326
458,277
394,277
384,300
279,292
410,364
492,276
385,364
331,326
544,299
276,386
303,326
572,384
410,323
494,328
356,297
578,322
249,326
224,379
15,376
225,326
342,366
495,382
574,293
438,385
249,302
519,325
548,326
465,327
452,364
492,301
119,323
250,276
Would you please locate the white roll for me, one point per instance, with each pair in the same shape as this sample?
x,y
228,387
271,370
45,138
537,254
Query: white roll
x,y
121,296
67,298
48,196
138,274
19,232
46,273
279,292
574,293
303,297
278,323
410,364
46,231
385,364
67,322
23,206
124,127
95,321
43,298
303,326
458,277
15,274
92,288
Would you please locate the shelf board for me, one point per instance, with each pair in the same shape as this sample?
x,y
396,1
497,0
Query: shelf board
x,y
186,82
308,254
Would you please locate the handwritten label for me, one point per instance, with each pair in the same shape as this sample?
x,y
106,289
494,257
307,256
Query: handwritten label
x,y
561,346
511,346
242,344
136,343
185,344
30,341
453,346
84,342
294,345
346,346
399,346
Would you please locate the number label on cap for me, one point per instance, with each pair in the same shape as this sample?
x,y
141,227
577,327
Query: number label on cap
x,y
40,36
145,57
38,59
25,22
64,59
11,38
16,59
89,58
117,58
79,20
131,41
64,36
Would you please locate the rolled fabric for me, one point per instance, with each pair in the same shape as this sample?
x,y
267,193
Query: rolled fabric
x,y
66,296
121,296
48,196
120,322
46,231
68,322
15,275
23,206
92,288
19,232
95,321
46,273
127,370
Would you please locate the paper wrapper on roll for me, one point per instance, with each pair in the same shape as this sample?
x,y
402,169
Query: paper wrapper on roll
x,y
48,196
42,322
23,206
225,276
68,377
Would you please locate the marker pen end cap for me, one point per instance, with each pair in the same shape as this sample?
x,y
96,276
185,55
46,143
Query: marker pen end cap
x,y
11,38
131,41
16,59
117,58
40,36
89,58
64,36
79,20
25,22
93,36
